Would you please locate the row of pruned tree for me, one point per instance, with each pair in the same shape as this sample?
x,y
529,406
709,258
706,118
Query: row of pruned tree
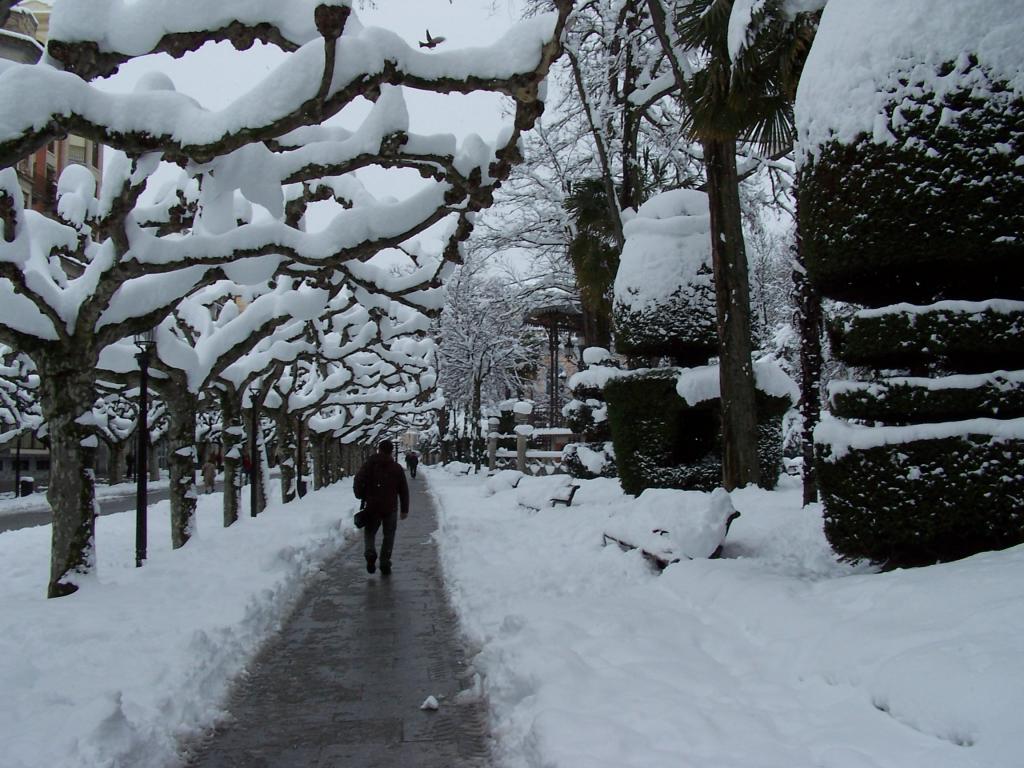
x,y
244,292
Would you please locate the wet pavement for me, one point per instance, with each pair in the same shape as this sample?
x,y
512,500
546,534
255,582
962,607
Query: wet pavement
x,y
342,684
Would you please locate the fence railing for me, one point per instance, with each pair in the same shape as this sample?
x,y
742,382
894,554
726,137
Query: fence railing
x,y
531,461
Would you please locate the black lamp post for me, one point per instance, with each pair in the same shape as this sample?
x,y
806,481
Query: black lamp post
x,y
17,468
145,342
254,449
300,483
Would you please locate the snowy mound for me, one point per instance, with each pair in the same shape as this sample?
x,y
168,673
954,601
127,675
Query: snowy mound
x,y
671,524
536,492
502,481
849,78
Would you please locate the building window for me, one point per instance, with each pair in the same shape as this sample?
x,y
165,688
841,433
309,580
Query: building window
x,y
42,465
76,154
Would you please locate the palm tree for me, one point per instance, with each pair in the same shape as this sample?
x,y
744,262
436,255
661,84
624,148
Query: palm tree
x,y
594,253
746,98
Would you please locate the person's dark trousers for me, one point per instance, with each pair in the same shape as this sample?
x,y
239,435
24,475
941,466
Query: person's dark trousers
x,y
390,524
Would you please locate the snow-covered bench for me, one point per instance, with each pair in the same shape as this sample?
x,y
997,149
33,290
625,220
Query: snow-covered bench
x,y
667,526
502,480
541,492
564,495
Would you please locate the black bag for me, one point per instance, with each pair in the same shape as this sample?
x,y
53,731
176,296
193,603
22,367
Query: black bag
x,y
360,516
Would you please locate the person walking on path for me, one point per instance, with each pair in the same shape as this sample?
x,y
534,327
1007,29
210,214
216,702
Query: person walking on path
x,y
381,484
412,461
209,474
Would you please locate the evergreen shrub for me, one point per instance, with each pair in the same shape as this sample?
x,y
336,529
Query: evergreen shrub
x,y
926,501
662,442
902,401
682,327
937,212
945,338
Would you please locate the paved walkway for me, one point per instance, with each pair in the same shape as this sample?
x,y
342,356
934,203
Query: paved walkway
x,y
342,684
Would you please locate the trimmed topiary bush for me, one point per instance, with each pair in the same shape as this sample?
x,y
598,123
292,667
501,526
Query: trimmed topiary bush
x,y
952,335
910,120
664,289
903,400
661,441
923,501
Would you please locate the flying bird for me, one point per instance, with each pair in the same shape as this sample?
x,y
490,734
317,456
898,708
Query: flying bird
x,y
432,42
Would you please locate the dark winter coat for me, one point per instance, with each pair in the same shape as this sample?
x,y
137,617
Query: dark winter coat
x,y
411,460
381,483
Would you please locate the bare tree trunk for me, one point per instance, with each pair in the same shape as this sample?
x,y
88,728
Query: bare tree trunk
x,y
732,298
181,461
67,390
809,323
116,462
233,439
320,461
286,452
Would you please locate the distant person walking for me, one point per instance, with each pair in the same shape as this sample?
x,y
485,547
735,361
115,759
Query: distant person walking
x,y
381,484
412,461
209,474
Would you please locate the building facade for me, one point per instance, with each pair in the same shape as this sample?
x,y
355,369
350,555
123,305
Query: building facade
x,y
22,41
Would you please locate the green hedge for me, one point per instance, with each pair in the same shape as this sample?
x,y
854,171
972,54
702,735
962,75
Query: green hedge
x,y
682,327
661,442
576,468
953,341
936,213
902,403
925,501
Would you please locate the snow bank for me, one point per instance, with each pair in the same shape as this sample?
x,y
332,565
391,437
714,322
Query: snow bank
x,y
115,674
775,655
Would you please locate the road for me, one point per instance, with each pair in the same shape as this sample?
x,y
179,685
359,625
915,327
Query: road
x,y
108,506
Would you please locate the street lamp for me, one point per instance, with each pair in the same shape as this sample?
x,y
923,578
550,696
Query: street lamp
x,y
145,342
254,474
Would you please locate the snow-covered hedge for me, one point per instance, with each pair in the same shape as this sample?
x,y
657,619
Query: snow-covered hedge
x,y
914,498
910,119
662,441
915,400
664,289
967,336
909,116
587,415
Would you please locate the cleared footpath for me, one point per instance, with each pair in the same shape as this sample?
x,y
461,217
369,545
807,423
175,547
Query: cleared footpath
x,y
341,685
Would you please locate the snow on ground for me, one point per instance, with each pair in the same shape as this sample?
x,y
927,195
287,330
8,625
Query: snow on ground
x,y
112,675
773,657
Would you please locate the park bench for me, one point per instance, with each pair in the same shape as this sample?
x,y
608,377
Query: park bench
x,y
542,492
564,495
661,559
